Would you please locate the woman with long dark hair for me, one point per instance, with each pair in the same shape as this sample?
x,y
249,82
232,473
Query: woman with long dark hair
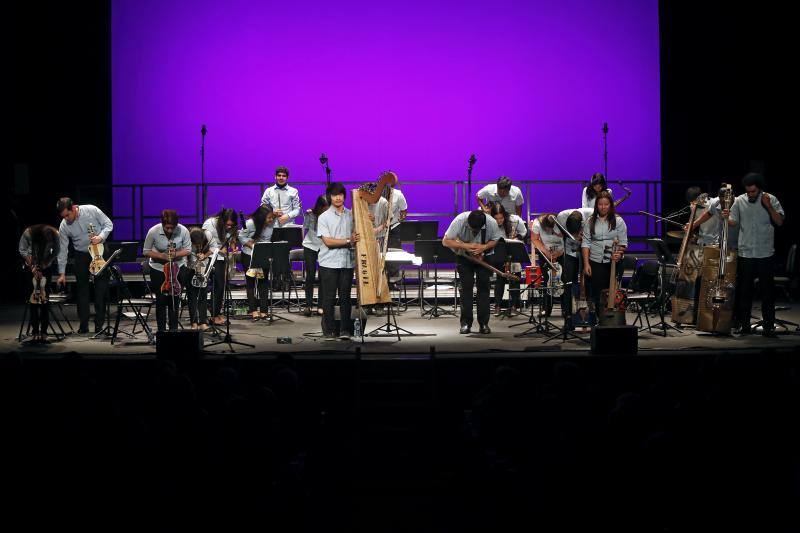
x,y
198,296
311,244
258,228
223,228
511,227
599,233
39,246
597,184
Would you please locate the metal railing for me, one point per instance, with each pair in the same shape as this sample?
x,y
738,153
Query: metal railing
x,y
141,218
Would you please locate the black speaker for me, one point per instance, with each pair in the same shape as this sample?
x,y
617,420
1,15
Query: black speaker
x,y
615,340
179,345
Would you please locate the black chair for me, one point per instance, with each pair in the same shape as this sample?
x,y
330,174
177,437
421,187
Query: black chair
x,y
641,291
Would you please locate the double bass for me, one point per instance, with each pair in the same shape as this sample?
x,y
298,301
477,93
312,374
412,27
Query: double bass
x,y
719,277
688,265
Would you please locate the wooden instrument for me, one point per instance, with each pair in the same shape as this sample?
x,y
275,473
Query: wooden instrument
x,y
480,261
628,193
614,298
373,286
688,265
39,294
202,267
171,286
96,250
718,282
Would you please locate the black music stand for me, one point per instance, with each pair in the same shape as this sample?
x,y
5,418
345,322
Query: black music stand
x,y
433,251
390,327
664,257
123,252
126,253
418,230
275,257
293,235
512,252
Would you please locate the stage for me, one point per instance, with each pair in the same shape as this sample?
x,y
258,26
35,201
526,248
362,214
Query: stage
x,y
439,334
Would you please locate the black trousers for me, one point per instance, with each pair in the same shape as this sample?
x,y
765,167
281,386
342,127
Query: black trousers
x,y
164,301
472,274
332,280
310,257
747,270
250,286
569,274
500,285
219,288
198,302
82,262
600,279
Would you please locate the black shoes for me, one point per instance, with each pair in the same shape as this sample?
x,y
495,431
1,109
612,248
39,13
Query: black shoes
x,y
83,330
769,333
485,329
465,328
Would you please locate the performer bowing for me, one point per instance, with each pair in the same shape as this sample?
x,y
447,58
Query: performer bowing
x,y
476,234
512,227
75,231
167,243
222,227
504,192
38,247
599,232
547,239
572,220
596,186
258,228
282,198
198,294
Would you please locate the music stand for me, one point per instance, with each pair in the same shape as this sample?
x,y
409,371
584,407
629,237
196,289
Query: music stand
x,y
126,254
293,235
512,251
418,230
275,257
664,257
122,252
433,251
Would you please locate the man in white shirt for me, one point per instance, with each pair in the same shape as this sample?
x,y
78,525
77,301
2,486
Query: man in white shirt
x,y
502,192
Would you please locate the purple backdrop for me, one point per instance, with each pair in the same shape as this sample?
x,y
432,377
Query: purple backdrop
x,y
410,86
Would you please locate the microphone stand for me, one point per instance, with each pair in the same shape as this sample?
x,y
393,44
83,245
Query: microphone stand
x,y
472,160
605,150
227,339
203,131
324,160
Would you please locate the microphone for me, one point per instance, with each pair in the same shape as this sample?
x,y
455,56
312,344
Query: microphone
x,y
323,159
472,160
203,130
605,127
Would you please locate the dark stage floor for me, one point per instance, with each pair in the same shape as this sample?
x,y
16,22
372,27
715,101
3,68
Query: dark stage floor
x,y
440,333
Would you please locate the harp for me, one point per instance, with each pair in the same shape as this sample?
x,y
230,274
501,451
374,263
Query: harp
x,y
373,287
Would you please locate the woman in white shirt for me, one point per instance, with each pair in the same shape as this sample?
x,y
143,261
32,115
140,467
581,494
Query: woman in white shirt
x,y
596,185
311,244
599,232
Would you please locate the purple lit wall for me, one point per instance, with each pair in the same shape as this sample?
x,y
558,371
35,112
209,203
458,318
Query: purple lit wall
x,y
414,86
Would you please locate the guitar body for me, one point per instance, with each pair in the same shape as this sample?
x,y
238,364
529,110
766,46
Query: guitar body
x,y
39,294
614,298
96,251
